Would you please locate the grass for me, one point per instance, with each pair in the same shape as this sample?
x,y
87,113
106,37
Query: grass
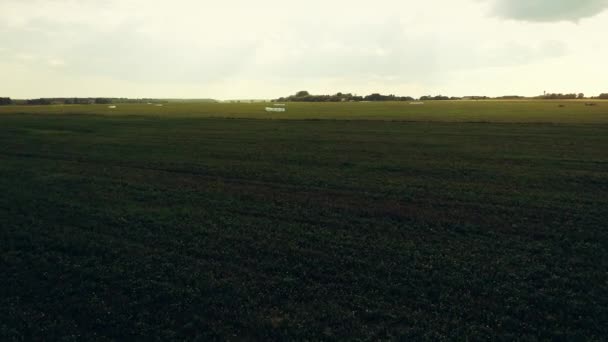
x,y
478,220
524,111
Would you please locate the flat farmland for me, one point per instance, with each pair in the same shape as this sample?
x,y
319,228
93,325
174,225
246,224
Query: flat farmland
x,y
493,111
448,220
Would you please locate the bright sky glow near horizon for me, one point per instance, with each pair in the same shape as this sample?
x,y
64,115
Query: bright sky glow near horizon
x,y
272,48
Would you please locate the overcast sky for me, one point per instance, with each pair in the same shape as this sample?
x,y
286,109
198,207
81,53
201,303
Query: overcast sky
x,y
272,48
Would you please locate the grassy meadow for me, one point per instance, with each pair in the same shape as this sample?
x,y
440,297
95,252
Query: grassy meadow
x,y
519,111
481,220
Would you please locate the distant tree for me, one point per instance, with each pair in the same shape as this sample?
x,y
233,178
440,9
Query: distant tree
x,y
83,101
38,102
510,97
559,96
581,96
302,93
438,97
391,97
604,96
406,98
373,97
101,100
4,101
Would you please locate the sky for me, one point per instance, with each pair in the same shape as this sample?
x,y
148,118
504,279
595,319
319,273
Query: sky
x,y
236,49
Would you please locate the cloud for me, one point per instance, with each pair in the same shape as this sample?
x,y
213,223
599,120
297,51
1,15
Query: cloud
x,y
265,48
56,63
548,10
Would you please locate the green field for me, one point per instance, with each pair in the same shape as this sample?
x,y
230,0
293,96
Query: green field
x,y
450,220
524,111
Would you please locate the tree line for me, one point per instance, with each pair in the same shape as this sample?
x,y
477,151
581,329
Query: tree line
x,y
560,96
603,96
305,96
74,101
301,96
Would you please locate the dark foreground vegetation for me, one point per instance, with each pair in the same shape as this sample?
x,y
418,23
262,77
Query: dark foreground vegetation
x,y
140,227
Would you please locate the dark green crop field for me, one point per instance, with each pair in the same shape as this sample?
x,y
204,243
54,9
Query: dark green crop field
x,y
481,221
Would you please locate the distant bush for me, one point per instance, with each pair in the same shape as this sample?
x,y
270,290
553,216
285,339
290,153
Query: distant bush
x,y
5,101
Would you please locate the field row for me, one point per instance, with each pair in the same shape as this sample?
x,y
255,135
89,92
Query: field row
x,y
531,111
